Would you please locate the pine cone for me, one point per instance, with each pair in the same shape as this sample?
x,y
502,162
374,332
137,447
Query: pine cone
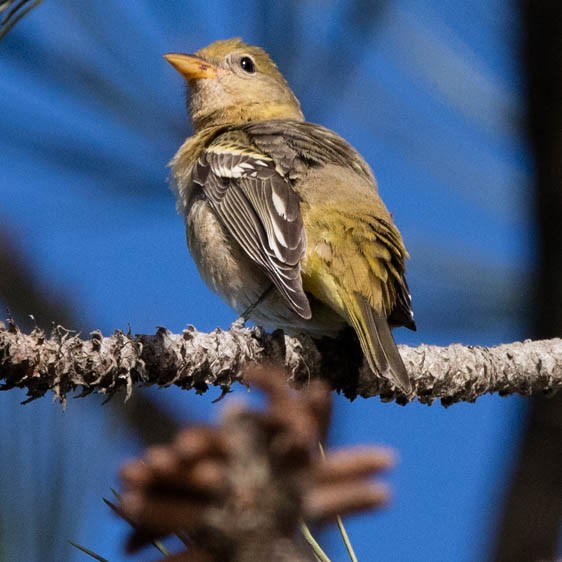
x,y
240,490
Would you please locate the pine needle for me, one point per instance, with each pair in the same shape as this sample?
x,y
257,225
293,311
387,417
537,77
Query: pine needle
x,y
343,532
319,554
89,552
158,545
17,11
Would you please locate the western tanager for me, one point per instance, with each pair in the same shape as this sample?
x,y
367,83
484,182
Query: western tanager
x,y
283,217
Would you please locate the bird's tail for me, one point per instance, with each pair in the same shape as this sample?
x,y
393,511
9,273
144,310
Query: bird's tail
x,y
376,341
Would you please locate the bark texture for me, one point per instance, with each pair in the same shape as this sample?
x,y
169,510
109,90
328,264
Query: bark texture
x,y
64,363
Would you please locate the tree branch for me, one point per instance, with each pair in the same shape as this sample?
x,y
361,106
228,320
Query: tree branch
x,y
64,362
16,10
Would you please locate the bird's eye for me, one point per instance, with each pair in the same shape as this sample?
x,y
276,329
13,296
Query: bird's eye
x,y
247,65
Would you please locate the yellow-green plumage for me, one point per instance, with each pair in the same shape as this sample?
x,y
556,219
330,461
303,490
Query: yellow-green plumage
x,y
271,200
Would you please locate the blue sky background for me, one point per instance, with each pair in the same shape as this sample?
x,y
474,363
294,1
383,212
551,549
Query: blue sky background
x,y
430,93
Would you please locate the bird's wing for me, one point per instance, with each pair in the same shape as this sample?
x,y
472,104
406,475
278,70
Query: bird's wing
x,y
368,270
294,146
259,208
399,308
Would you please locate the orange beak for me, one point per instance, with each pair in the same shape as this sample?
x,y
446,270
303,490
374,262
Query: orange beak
x,y
191,67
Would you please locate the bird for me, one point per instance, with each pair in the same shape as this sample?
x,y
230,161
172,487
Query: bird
x,y
283,217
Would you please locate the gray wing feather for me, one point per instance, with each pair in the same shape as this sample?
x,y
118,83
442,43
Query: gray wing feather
x,y
260,210
294,145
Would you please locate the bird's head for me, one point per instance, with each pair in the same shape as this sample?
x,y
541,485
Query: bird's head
x,y
231,82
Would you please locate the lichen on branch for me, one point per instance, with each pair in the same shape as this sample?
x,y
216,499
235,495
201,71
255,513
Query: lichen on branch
x,y
64,362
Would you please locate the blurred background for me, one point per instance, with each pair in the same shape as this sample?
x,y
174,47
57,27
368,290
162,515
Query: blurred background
x,y
432,93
